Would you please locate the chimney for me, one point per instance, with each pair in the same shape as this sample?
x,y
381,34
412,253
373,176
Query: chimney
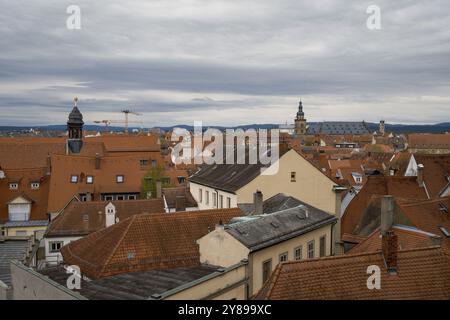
x,y
158,189
110,213
387,214
420,168
389,244
97,161
180,203
389,241
258,202
49,164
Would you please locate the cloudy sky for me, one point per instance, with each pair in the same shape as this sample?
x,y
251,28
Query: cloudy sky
x,y
225,62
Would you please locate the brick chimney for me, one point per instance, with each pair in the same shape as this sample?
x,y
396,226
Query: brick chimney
x,y
389,240
97,161
420,168
158,189
258,202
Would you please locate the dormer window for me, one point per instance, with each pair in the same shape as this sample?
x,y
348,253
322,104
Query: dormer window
x,y
13,186
119,178
35,185
90,179
73,178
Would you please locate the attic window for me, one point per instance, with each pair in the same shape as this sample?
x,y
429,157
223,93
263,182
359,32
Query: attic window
x,y
119,179
73,178
89,179
35,185
13,186
130,255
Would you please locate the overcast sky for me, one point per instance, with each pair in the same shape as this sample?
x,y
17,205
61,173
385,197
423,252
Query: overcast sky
x,y
225,62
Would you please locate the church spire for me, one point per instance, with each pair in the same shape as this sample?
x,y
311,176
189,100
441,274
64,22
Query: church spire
x,y
75,128
300,113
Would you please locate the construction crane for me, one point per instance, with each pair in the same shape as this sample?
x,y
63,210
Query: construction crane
x,y
127,112
107,123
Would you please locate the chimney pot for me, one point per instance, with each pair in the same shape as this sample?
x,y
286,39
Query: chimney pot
x,y
258,202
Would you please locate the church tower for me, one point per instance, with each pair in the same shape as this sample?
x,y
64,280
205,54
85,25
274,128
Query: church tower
x,y
75,129
300,121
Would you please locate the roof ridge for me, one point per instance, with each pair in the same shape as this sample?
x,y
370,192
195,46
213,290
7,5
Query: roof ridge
x,y
353,255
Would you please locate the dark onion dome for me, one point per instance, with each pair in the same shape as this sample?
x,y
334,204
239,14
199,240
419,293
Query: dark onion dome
x,y
75,116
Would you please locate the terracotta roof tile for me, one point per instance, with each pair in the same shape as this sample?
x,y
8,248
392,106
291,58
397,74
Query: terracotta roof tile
x,y
82,218
145,242
422,274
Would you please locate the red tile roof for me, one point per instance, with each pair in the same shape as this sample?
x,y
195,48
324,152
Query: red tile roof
x,y
404,187
23,178
436,172
422,274
82,218
429,141
408,238
145,242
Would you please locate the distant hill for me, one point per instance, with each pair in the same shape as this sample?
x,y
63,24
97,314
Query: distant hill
x,y
397,128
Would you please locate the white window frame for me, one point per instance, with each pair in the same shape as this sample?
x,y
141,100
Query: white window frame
x,y
313,249
13,186
89,179
73,178
50,246
35,185
298,253
120,178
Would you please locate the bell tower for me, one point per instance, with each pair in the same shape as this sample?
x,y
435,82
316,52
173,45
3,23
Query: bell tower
x,y
75,129
300,121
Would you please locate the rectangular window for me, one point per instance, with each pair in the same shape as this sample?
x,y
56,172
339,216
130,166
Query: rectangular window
x,y
143,162
207,197
132,197
322,250
83,197
120,197
119,178
73,178
35,185
154,163
13,186
228,202
109,198
298,254
200,195
181,179
55,246
311,249
293,176
266,270
89,179
283,257
214,200
220,201
19,211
